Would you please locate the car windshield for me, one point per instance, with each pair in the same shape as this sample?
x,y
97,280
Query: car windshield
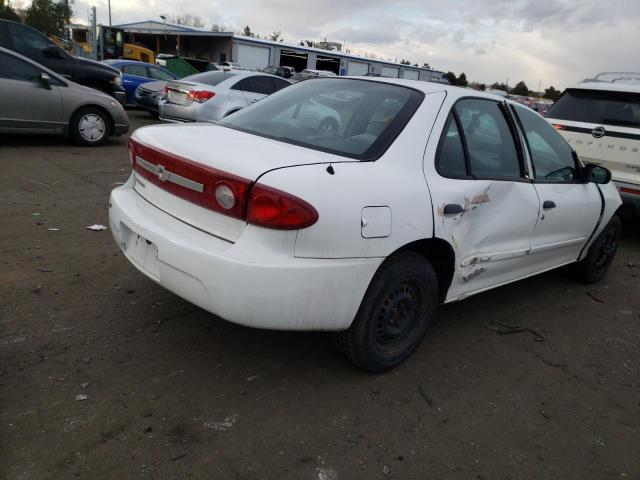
x,y
353,118
596,106
212,78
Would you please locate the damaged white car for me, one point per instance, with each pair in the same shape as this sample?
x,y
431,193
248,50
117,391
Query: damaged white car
x,y
423,194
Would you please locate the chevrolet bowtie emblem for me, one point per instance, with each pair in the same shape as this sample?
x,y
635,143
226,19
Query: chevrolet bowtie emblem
x,y
161,175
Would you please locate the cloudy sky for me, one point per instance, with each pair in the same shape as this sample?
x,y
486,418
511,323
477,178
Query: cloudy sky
x,y
550,41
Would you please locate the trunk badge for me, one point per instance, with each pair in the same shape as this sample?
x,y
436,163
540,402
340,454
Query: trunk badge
x,y
598,132
161,175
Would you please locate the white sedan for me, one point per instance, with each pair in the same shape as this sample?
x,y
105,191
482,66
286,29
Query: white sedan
x,y
425,194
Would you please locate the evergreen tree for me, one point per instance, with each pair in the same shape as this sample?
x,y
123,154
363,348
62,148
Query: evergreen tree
x,y
8,13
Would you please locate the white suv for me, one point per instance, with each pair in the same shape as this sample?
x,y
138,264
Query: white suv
x,y
600,118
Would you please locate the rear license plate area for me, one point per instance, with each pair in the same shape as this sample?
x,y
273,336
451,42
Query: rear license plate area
x,y
142,252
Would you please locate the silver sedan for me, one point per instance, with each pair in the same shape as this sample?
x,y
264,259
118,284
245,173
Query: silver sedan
x,y
210,96
36,100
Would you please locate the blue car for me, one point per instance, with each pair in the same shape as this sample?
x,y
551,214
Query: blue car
x,y
135,73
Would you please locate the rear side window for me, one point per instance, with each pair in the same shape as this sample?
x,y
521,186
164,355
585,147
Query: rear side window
x,y
279,84
596,106
451,162
158,74
16,69
27,41
260,85
481,128
551,155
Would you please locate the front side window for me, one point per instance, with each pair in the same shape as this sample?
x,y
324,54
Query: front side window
x,y
27,41
16,69
353,118
551,155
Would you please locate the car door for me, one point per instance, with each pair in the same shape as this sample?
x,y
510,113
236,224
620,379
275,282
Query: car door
x,y
484,205
133,76
571,208
25,103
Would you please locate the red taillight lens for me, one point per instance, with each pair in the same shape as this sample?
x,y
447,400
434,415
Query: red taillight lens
x,y
165,90
132,155
200,184
557,127
200,96
271,208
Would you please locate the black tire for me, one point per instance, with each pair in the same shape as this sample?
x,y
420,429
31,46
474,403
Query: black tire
x,y
595,265
90,127
394,315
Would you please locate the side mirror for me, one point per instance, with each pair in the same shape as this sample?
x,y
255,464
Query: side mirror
x,y
51,51
596,174
45,81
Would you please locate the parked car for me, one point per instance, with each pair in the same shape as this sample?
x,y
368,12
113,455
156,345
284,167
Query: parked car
x,y
148,95
32,44
600,118
269,225
210,96
313,115
231,66
136,73
310,73
37,100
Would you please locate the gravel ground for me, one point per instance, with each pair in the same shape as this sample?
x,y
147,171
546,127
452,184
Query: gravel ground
x,y
103,374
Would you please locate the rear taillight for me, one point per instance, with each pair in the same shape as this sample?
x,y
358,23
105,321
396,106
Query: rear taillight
x,y
165,90
197,183
557,127
220,191
271,208
200,96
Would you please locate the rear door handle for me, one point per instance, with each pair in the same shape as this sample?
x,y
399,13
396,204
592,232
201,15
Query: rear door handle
x,y
548,204
452,209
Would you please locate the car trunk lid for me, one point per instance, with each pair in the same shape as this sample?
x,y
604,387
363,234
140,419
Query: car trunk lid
x,y
179,167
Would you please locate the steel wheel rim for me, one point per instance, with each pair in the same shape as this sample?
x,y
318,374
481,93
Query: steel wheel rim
x,y
91,127
607,251
397,316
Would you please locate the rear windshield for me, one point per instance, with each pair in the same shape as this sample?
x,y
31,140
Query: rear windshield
x,y
210,78
353,118
596,106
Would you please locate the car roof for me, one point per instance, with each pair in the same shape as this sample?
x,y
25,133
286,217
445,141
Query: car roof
x,y
606,86
427,87
123,61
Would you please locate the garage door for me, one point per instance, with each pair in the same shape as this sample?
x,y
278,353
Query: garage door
x,y
357,68
253,57
389,72
410,74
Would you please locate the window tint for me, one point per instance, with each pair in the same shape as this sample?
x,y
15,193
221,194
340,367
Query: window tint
x,y
451,162
353,118
595,106
16,69
551,156
27,41
257,84
492,151
212,78
279,84
158,74
136,70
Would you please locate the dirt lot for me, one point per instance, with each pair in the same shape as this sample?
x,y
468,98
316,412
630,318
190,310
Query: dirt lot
x,y
105,375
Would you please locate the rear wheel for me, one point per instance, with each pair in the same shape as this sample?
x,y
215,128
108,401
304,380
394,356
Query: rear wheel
x,y
395,314
89,126
595,265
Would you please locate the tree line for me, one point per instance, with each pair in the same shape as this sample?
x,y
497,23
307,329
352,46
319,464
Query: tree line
x,y
520,88
45,15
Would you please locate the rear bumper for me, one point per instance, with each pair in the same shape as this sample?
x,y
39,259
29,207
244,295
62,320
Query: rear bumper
x,y
271,289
